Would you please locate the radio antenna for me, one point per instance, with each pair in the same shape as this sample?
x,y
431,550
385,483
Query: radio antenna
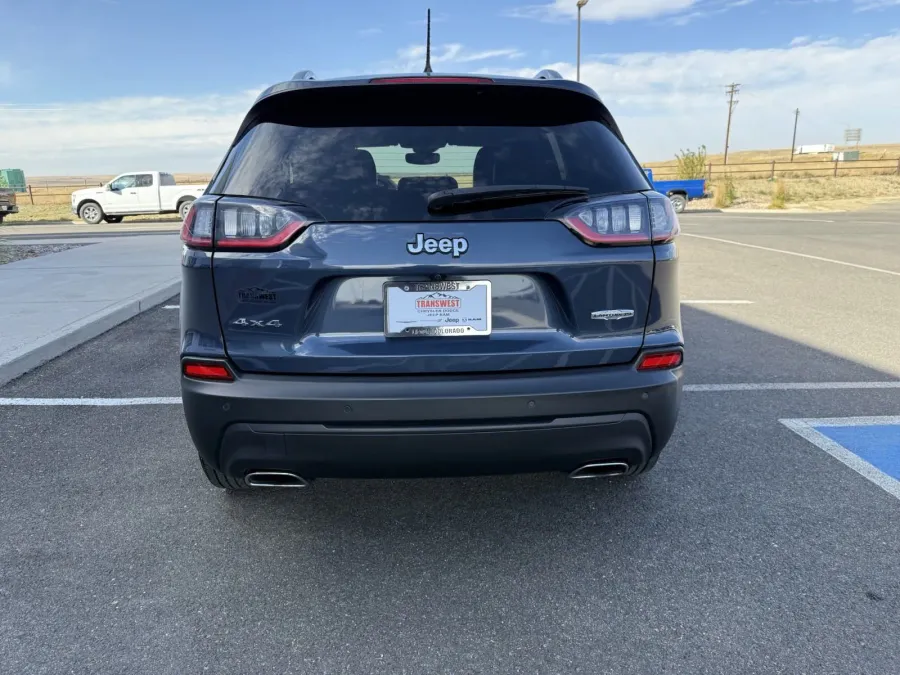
x,y
428,44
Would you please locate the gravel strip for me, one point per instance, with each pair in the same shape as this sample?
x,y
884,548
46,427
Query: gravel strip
x,y
13,253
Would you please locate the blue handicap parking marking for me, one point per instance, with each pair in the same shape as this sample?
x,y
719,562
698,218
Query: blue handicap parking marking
x,y
877,444
868,445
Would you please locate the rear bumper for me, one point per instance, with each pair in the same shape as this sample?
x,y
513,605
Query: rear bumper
x,y
432,426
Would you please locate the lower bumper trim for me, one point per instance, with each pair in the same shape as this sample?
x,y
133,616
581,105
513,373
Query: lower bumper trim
x,y
318,451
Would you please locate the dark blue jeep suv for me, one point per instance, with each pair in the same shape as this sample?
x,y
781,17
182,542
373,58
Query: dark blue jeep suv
x,y
429,275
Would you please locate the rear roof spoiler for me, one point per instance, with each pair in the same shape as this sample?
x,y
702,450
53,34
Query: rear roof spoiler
x,y
306,80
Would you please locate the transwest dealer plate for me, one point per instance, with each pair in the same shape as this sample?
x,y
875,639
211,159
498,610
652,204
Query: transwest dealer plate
x,y
437,308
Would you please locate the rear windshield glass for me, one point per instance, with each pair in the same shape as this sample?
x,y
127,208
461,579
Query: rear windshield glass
x,y
387,173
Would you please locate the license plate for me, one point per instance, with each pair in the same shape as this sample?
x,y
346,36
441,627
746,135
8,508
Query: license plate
x,y
437,308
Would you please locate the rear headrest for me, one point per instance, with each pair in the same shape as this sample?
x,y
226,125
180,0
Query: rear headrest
x,y
525,163
522,163
483,169
357,166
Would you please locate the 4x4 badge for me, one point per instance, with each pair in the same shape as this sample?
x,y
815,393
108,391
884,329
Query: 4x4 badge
x,y
457,245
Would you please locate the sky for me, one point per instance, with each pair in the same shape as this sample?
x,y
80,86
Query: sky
x,y
108,86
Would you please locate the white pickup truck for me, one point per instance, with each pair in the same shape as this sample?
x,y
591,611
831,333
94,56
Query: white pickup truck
x,y
138,192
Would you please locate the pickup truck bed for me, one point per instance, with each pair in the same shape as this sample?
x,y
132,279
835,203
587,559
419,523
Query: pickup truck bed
x,y
680,192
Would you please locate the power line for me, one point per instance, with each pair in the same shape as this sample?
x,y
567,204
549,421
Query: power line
x,y
733,89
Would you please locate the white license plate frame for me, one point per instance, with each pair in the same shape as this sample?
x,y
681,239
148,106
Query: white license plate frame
x,y
450,316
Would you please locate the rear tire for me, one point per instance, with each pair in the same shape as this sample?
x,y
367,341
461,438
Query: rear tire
x,y
220,480
679,202
112,220
91,213
184,207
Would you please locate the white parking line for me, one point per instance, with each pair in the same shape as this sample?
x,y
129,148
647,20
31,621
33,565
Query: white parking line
x,y
792,386
806,429
717,302
698,388
799,255
171,306
150,400
761,217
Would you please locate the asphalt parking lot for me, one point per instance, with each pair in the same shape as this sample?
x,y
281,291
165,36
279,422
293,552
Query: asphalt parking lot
x,y
748,549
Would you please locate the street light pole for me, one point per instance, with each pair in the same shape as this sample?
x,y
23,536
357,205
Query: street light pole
x,y
579,5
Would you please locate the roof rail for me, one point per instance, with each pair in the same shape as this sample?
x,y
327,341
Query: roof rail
x,y
548,74
304,75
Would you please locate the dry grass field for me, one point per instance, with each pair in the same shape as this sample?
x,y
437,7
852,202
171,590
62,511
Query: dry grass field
x,y
847,193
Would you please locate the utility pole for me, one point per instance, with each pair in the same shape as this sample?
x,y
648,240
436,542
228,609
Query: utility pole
x,y
731,91
794,142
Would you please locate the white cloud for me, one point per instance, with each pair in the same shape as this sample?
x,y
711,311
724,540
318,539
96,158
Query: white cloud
x,y
868,5
667,101
707,9
109,136
605,10
412,58
801,40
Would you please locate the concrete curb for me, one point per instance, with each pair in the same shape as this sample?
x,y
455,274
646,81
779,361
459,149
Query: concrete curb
x,y
55,344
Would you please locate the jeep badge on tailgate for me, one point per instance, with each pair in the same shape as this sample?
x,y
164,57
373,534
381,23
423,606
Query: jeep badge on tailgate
x,y
457,246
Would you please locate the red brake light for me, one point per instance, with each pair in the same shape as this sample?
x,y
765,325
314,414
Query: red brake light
x,y
196,231
418,79
207,371
660,361
249,225
623,219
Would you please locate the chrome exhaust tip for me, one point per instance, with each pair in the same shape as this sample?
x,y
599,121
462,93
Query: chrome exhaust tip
x,y
277,479
600,470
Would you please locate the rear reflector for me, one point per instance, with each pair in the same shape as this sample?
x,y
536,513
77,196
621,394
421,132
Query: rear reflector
x,y
207,371
418,79
660,361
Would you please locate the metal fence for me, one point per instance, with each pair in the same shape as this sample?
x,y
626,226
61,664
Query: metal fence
x,y
798,169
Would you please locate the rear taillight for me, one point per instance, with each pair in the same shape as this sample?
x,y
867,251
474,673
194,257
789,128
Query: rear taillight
x,y
624,219
243,224
197,229
201,370
660,360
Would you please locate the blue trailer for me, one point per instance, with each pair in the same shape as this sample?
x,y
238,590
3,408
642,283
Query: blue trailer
x,y
679,192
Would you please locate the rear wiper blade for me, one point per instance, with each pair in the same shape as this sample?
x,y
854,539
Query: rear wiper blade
x,y
485,198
